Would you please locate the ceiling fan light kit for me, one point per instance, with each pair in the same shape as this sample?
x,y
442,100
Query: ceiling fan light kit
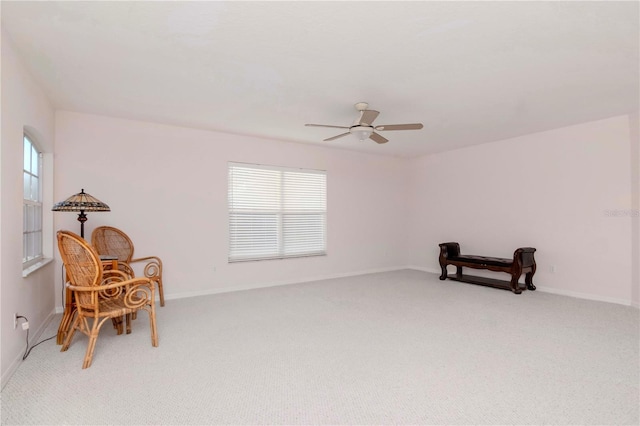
x,y
363,127
361,132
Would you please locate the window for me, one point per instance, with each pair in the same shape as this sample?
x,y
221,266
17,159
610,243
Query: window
x,y
32,204
275,213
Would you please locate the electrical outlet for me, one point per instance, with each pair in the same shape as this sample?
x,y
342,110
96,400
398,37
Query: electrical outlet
x,y
15,320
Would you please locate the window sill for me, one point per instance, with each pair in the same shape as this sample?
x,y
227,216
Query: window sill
x,y
259,259
31,269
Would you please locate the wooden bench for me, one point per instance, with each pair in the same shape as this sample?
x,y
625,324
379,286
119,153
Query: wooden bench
x,y
522,262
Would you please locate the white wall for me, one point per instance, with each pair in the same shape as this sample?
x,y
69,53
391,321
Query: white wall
x,y
23,104
634,133
566,192
167,188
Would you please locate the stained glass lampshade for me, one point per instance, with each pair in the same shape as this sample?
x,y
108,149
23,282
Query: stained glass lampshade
x,y
81,202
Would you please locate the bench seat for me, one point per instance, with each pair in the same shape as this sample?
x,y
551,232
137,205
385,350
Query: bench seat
x,y
483,260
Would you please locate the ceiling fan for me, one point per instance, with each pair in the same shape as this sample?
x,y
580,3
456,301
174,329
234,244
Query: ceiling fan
x,y
363,127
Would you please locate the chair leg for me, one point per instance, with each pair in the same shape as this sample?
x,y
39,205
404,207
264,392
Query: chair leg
x,y
152,324
117,324
65,323
70,333
88,357
160,290
128,319
93,337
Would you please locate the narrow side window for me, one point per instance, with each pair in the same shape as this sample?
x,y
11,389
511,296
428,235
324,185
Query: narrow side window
x,y
32,246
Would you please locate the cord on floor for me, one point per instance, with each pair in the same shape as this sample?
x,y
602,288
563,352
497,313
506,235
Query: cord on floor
x,y
28,349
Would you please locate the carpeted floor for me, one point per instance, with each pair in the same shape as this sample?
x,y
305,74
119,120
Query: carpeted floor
x,y
390,348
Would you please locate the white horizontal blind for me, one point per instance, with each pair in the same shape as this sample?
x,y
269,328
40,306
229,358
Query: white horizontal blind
x,y
276,212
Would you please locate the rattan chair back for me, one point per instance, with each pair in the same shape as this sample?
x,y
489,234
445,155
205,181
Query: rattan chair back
x,y
112,241
82,264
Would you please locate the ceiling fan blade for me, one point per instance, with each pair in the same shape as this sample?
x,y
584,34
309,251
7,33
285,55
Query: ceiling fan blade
x,y
368,115
377,138
413,126
326,125
336,137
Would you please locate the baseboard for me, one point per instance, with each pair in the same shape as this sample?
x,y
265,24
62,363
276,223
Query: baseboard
x,y
552,290
586,296
423,269
33,340
278,283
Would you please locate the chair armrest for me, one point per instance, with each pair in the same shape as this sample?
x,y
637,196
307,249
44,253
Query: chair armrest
x,y
153,269
125,283
154,258
137,291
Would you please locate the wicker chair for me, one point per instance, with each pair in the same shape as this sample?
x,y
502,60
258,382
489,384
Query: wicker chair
x,y
112,241
101,295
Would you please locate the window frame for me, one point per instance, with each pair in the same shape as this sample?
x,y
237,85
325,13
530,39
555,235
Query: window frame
x,y
281,214
29,262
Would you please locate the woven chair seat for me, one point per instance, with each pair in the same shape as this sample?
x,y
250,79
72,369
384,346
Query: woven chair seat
x,y
113,307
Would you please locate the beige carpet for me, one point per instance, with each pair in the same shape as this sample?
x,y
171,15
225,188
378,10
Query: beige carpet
x,y
390,348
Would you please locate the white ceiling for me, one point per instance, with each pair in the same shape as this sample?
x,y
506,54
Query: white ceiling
x,y
472,72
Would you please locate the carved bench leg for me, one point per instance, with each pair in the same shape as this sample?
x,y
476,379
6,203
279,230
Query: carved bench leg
x,y
443,276
528,279
515,287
